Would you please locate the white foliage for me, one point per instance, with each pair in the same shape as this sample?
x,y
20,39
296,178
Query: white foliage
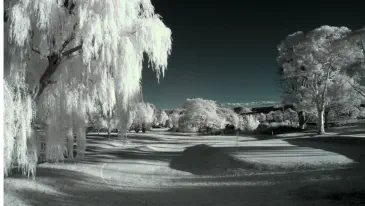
x,y
278,116
249,123
229,116
98,46
291,116
17,129
361,113
100,117
343,98
174,118
200,115
161,118
270,116
315,62
261,117
97,121
143,114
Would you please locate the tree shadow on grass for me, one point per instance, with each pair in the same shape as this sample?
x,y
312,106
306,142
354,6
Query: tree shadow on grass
x,y
180,196
354,132
129,154
82,189
355,197
101,137
90,148
69,187
139,155
97,158
203,159
335,192
77,188
143,137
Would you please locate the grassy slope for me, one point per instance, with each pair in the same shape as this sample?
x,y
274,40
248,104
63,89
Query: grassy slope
x,y
302,169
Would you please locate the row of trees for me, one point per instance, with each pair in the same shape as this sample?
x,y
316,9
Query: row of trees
x,y
142,117
199,115
67,59
322,70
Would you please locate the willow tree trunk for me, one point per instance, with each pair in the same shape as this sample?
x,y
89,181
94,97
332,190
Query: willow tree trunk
x,y
70,143
143,128
81,142
53,62
109,118
70,137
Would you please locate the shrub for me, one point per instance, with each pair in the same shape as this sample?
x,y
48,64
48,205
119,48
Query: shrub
x,y
169,123
143,116
174,116
291,116
248,123
354,113
278,116
160,119
361,113
229,129
270,116
251,123
200,116
261,117
277,128
228,116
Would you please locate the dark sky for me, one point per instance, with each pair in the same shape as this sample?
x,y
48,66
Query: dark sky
x,y
226,50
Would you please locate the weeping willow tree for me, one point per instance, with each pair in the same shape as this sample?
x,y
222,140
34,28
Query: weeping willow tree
x,y
65,55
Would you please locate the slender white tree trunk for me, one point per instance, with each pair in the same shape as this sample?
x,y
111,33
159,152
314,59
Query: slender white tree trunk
x,y
70,142
302,126
321,105
321,120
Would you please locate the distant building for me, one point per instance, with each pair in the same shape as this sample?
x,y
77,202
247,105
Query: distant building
x,y
241,110
264,110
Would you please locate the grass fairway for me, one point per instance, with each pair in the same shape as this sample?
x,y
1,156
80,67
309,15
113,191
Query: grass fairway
x,y
295,169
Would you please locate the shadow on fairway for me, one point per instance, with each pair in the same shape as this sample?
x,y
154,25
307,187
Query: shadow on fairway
x,y
202,160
